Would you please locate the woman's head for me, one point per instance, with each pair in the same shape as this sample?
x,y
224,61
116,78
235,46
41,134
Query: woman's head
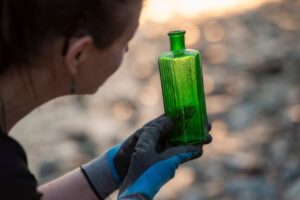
x,y
91,32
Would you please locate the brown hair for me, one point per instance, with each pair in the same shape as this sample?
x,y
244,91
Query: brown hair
x,y
26,25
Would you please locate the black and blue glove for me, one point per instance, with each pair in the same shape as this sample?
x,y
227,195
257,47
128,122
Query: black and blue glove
x,y
106,173
153,163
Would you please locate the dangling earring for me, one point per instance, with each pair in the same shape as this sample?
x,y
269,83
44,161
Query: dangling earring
x,y
73,85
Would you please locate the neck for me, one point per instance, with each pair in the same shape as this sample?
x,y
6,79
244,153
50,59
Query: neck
x,y
21,93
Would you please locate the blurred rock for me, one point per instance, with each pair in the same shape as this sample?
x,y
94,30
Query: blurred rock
x,y
84,143
249,188
291,171
49,169
193,193
293,192
242,115
249,163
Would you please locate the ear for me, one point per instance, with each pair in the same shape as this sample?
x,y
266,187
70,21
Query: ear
x,y
76,48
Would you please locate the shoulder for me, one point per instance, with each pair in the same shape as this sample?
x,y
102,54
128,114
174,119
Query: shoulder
x,y
17,182
11,150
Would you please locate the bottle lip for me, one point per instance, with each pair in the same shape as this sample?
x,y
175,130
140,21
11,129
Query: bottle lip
x,y
177,32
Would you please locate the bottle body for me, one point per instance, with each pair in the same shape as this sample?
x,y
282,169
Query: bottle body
x,y
183,95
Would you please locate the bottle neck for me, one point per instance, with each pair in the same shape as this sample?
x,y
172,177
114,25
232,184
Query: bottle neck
x,y
177,42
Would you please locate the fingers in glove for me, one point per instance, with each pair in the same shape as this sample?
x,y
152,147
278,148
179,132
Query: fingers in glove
x,y
130,142
196,151
156,119
209,139
209,126
152,132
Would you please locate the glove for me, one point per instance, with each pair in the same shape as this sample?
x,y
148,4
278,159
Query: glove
x,y
152,163
106,173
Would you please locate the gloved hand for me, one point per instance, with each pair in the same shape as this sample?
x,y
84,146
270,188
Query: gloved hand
x,y
152,164
106,173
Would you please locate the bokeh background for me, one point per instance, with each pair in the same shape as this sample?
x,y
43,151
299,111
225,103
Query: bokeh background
x,y
251,64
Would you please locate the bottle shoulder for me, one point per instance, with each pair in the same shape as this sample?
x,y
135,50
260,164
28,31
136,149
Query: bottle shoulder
x,y
179,54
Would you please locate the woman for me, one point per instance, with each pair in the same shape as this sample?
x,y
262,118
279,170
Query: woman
x,y
52,48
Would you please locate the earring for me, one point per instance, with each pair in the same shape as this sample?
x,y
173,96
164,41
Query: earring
x,y
73,86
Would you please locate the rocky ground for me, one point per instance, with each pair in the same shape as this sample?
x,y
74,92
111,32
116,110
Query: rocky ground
x,y
251,63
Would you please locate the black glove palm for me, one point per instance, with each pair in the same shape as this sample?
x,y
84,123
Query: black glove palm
x,y
150,169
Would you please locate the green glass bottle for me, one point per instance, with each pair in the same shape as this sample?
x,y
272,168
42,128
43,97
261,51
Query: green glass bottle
x,y
183,92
